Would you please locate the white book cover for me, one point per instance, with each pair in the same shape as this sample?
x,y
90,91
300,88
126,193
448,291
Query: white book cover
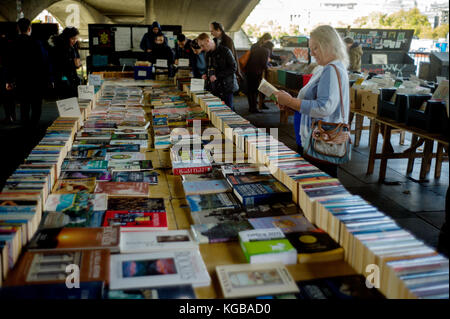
x,y
267,89
158,269
60,202
251,280
140,242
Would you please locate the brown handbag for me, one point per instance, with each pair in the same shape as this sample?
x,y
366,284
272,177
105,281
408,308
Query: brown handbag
x,y
330,142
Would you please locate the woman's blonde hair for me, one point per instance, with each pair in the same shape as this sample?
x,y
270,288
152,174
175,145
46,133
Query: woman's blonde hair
x,y
330,42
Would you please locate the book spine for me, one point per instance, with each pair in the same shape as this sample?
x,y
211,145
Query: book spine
x,y
191,170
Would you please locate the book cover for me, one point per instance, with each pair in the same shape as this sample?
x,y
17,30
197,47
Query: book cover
x,y
140,242
126,137
76,238
212,201
217,216
219,233
72,186
121,157
173,292
249,178
136,221
262,193
252,280
158,269
139,204
275,209
84,165
144,177
75,203
206,187
49,267
315,246
122,188
87,218
267,245
144,165
288,224
99,176
87,290
341,287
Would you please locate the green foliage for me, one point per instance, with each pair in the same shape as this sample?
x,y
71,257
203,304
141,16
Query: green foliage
x,y
411,19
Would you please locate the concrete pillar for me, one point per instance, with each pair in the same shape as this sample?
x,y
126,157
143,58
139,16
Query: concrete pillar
x,y
149,12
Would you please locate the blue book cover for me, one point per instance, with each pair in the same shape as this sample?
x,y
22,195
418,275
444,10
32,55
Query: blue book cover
x,y
262,193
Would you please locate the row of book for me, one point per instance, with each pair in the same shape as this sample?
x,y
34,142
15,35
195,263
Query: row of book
x,y
27,189
366,234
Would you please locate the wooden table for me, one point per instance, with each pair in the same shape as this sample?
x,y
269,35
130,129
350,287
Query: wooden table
x,y
385,127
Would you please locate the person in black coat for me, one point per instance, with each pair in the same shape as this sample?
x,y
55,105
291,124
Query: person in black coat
x,y
256,65
28,72
221,66
65,59
183,50
162,51
6,97
148,40
199,65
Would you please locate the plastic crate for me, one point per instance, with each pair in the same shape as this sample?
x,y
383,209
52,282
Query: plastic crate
x,y
393,110
281,77
143,73
434,119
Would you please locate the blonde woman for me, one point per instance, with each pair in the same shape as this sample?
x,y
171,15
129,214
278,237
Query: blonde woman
x,y
320,99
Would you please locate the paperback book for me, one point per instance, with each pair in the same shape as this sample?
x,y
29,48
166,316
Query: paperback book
x,y
136,221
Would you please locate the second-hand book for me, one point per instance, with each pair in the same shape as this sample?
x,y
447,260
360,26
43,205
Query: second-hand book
x,y
173,292
219,233
71,186
340,287
265,192
136,221
288,224
212,201
255,280
158,269
76,238
267,245
87,290
144,242
132,176
49,267
315,246
136,204
122,188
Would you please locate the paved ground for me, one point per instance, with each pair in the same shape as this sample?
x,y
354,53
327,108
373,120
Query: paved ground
x,y
418,207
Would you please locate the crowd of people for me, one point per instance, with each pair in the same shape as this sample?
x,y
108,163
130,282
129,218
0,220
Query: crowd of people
x,y
29,69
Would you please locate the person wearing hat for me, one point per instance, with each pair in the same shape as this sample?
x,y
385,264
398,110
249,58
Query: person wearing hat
x,y
148,39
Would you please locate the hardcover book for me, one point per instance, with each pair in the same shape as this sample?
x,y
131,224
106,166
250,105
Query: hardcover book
x,y
158,269
253,280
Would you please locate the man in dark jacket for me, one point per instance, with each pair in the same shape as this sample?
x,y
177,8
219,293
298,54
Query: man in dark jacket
x,y
161,51
183,49
221,66
256,65
221,38
148,39
28,72
6,97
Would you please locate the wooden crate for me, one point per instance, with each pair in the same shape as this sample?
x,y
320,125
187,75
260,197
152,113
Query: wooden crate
x,y
272,76
352,99
369,102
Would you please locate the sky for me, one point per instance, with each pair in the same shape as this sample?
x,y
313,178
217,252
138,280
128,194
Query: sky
x,y
307,14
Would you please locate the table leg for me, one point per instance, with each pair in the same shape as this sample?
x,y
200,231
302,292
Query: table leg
x,y
411,159
358,128
426,159
402,137
386,149
439,157
374,127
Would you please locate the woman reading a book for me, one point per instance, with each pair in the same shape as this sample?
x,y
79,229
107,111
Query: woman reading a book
x,y
320,99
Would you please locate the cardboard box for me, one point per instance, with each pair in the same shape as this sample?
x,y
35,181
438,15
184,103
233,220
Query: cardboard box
x,y
369,102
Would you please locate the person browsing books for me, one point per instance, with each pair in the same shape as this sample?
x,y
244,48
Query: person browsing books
x,y
355,53
161,51
221,69
221,38
148,39
199,65
320,99
256,65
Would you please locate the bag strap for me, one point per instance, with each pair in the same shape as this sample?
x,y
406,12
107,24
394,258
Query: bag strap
x,y
340,91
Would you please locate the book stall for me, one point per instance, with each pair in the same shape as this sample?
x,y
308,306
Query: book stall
x,y
157,189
